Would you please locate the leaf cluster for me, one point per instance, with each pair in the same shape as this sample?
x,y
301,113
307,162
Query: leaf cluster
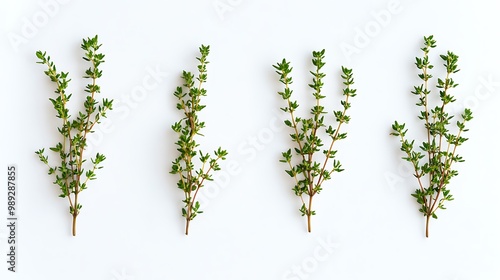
x,y
191,177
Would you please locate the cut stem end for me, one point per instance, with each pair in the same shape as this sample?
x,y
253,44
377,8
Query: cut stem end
x,y
74,225
187,226
427,226
308,223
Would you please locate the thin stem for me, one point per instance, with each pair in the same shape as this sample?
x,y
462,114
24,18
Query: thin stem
x,y
87,128
74,224
203,178
87,179
292,116
415,168
301,149
189,112
430,152
187,225
296,180
76,211
334,138
427,221
441,184
294,124
316,115
67,183
309,213
442,110
68,127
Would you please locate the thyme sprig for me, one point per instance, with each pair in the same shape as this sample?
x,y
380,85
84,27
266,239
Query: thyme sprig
x,y
192,178
433,160
70,174
310,173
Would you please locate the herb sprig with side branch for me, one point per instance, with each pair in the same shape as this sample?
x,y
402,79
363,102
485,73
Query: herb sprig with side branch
x,y
71,174
192,178
434,159
308,172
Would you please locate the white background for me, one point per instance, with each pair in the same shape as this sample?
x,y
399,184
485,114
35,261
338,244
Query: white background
x,y
130,227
